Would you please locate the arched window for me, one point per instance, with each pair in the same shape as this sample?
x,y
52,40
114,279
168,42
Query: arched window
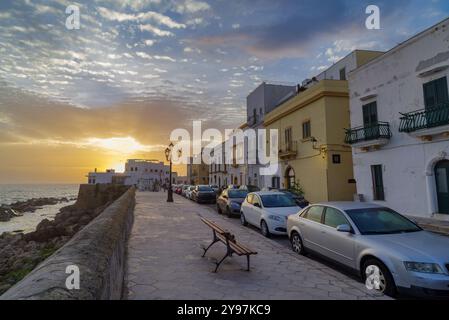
x,y
442,181
290,177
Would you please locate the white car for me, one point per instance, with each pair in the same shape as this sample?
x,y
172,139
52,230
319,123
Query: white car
x,y
268,211
189,192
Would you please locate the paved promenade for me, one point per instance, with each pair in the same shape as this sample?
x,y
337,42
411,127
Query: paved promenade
x,y
164,260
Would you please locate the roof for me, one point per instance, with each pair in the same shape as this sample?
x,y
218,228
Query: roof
x,y
403,44
349,205
267,193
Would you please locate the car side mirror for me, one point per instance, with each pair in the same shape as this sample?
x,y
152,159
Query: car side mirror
x,y
344,228
257,205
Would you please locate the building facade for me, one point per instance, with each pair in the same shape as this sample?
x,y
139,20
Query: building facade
x,y
197,174
400,126
312,152
264,99
142,173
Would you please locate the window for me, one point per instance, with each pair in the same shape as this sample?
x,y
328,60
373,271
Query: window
x,y
306,130
276,182
343,74
288,138
336,159
378,183
435,93
370,114
334,218
291,178
256,200
314,214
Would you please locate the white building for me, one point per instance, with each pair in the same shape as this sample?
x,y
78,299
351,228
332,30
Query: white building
x,y
144,174
401,156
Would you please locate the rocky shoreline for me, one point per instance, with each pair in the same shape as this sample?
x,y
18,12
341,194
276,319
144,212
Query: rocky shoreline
x,y
7,212
20,253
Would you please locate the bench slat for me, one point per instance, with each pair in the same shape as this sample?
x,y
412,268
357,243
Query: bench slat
x,y
238,248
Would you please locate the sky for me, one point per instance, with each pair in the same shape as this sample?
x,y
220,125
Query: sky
x,y
75,100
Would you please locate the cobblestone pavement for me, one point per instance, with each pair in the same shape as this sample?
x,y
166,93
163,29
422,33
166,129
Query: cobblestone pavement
x,y
164,260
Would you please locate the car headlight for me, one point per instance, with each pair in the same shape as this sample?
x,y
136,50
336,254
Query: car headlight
x,y
423,267
275,218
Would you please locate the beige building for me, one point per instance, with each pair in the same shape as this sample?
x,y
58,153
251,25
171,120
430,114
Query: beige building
x,y
197,174
311,126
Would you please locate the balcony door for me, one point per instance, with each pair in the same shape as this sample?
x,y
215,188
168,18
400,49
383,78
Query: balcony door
x,y
442,180
435,97
370,121
435,93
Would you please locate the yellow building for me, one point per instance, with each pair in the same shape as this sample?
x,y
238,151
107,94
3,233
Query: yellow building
x,y
311,134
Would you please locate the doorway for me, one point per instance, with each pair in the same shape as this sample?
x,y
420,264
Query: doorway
x,y
442,181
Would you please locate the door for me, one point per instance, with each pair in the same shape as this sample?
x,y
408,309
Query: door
x,y
312,228
442,180
247,208
370,121
338,245
256,212
435,96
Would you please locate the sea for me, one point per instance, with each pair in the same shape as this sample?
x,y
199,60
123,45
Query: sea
x,y
10,193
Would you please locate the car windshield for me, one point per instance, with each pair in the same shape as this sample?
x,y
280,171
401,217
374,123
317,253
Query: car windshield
x,y
237,193
214,187
277,201
205,188
381,221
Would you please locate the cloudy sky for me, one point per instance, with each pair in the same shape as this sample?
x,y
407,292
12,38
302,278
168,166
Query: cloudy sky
x,y
73,100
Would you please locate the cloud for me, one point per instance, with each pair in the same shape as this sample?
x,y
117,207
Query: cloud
x,y
144,55
156,31
191,6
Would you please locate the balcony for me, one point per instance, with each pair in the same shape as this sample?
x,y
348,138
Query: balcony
x,y
369,136
426,123
288,150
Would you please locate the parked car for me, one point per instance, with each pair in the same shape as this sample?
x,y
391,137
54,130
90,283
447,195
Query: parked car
x,y
189,192
230,201
176,189
389,250
299,199
184,190
204,194
268,211
215,188
249,188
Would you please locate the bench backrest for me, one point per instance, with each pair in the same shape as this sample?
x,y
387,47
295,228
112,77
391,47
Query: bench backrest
x,y
219,230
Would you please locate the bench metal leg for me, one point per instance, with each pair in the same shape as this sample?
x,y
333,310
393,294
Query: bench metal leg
x,y
247,263
218,263
205,249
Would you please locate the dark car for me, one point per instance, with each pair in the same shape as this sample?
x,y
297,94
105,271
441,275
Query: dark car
x,y
250,188
230,200
204,194
299,199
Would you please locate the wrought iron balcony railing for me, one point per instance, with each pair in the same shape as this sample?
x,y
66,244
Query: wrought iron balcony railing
x,y
380,130
288,149
425,119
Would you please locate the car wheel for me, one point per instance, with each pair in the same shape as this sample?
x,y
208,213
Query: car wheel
x,y
243,219
377,277
219,209
297,244
264,229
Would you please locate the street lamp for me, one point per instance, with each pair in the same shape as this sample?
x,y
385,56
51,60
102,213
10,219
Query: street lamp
x,y
168,156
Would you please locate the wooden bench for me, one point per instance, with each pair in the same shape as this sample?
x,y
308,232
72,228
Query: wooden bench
x,y
232,246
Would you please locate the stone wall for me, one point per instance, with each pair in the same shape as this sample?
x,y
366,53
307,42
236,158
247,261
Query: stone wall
x,y
98,251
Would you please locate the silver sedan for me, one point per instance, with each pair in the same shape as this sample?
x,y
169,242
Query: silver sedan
x,y
389,251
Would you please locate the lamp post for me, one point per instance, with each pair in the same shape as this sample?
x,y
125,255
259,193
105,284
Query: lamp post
x,y
168,155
